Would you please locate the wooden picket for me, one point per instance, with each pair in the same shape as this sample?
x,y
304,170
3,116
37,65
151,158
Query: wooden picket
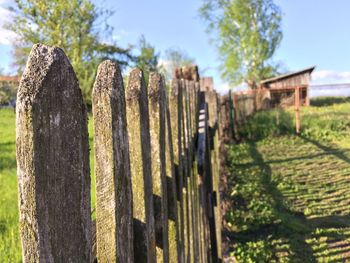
x,y
156,165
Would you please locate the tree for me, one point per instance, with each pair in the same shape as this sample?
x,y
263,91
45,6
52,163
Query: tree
x,y
7,93
148,58
247,33
174,58
73,25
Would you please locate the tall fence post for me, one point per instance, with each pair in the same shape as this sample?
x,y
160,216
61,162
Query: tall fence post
x,y
114,219
232,104
173,205
297,109
52,161
213,121
205,171
157,115
189,161
201,152
141,171
175,112
184,166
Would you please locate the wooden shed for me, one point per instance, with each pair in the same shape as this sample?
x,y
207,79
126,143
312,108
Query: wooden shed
x,y
9,80
282,87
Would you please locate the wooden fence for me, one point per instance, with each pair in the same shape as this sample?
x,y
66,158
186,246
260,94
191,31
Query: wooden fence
x,y
237,107
156,166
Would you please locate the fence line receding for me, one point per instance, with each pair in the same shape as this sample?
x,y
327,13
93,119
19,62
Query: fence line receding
x,y
156,165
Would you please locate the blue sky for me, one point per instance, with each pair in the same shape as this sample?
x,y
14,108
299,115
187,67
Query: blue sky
x,y
316,32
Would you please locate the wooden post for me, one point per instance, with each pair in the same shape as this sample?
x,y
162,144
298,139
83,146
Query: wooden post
x,y
175,108
205,171
173,204
188,168
193,91
141,171
212,100
297,110
157,114
201,156
230,104
52,161
114,220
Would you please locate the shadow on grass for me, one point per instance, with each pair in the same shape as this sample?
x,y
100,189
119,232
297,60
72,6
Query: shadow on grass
x,y
327,149
311,156
293,227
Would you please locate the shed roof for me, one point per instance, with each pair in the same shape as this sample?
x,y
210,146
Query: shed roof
x,y
288,75
9,78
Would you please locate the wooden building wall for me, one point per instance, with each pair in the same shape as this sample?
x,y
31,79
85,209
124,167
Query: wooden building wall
x,y
282,90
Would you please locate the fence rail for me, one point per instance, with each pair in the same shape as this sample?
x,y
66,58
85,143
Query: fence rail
x,y
156,165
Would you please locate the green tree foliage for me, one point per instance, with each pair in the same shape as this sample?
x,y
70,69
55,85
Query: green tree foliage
x,y
76,26
174,58
148,58
7,93
247,33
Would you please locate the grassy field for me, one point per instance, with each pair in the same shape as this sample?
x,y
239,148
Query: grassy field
x,y
288,195
10,246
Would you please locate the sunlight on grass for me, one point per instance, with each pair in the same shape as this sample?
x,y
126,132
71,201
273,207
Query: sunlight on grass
x,y
289,195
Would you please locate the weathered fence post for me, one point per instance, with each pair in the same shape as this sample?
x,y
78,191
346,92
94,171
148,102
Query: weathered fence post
x,y
232,104
186,140
205,172
141,171
173,204
175,112
114,219
157,116
212,100
192,92
297,109
201,152
53,161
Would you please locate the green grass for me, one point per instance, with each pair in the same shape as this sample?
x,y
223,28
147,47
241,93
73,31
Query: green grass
x,y
290,195
10,244
10,247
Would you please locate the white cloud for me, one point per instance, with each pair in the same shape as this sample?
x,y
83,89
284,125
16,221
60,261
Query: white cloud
x,y
330,76
164,63
222,88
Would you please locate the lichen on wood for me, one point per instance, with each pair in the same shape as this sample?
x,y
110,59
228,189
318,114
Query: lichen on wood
x,y
52,161
141,170
114,219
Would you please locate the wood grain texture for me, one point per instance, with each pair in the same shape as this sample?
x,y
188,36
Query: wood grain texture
x,y
114,218
141,170
52,161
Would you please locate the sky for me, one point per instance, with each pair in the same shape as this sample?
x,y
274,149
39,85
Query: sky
x,y
316,32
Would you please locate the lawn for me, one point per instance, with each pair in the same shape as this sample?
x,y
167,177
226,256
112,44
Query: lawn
x,y
10,246
289,196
